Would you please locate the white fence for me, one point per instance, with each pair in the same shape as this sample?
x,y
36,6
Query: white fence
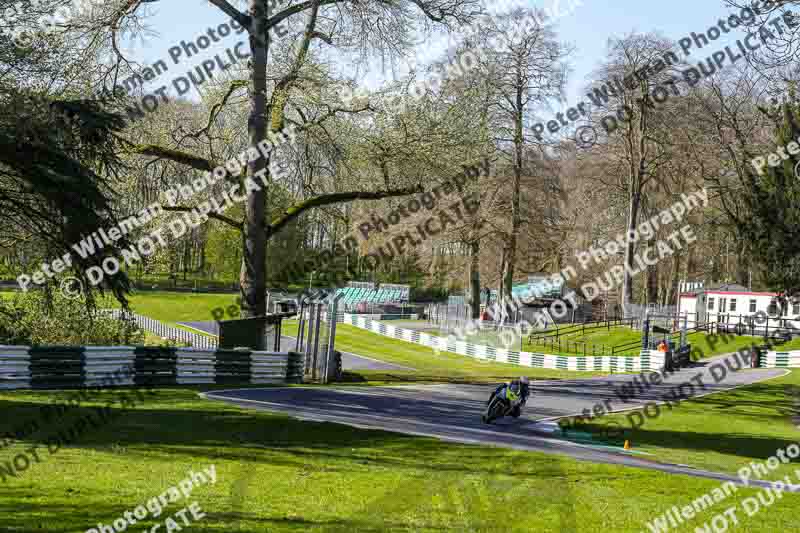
x,y
163,330
647,360
776,359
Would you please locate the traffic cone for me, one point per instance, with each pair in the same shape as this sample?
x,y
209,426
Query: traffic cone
x,y
627,445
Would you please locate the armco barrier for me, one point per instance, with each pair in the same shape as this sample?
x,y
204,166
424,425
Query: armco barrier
x,y
163,330
101,361
771,359
15,368
646,360
23,367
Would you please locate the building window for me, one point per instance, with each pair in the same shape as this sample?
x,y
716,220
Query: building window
x,y
796,308
733,304
773,308
752,306
711,304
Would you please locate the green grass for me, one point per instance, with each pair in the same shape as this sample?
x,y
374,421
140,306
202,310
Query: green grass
x,y
617,335
706,345
793,344
277,475
721,432
174,307
428,365
151,339
602,339
703,344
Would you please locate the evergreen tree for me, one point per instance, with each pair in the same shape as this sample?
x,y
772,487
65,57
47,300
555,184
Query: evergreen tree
x,y
56,157
772,201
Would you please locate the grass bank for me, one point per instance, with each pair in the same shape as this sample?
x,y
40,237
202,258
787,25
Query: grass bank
x,y
275,474
721,432
427,364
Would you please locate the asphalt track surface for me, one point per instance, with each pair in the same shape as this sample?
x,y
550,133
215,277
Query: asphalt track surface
x,y
452,412
350,361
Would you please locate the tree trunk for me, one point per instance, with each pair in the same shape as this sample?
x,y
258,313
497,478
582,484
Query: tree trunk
x,y
742,265
674,289
652,278
627,283
511,245
475,279
253,273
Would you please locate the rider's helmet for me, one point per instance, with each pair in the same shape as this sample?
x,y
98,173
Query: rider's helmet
x,y
515,387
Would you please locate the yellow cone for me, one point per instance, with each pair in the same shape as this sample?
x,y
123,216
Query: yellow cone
x,y
627,445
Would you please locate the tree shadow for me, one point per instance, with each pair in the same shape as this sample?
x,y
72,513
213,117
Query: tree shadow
x,y
215,433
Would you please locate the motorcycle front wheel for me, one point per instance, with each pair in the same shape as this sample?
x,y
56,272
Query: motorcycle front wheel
x,y
494,411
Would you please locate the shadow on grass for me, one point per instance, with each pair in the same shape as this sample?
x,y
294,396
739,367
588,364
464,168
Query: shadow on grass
x,y
171,429
757,415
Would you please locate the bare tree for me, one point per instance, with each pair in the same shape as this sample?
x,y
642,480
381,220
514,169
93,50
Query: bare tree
x,y
370,27
525,69
633,149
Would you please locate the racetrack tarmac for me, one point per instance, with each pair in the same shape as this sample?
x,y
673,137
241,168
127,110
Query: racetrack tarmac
x,y
452,411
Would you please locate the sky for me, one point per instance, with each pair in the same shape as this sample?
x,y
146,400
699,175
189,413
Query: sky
x,y
587,28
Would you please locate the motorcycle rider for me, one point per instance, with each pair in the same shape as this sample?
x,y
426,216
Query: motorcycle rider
x,y
519,386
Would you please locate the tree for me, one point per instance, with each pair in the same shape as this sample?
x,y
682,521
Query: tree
x,y
335,23
635,153
771,219
727,127
523,70
57,154
779,21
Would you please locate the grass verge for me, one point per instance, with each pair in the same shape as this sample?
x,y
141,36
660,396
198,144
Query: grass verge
x,y
427,364
721,432
275,474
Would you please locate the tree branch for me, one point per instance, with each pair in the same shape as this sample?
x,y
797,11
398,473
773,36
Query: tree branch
x,y
235,84
242,18
308,124
216,216
334,198
298,8
184,158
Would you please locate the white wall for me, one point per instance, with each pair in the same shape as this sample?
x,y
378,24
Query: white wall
x,y
742,307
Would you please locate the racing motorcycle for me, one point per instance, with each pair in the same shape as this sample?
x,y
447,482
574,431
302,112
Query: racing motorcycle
x,y
506,402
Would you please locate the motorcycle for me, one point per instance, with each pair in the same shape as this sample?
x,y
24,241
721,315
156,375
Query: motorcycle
x,y
505,403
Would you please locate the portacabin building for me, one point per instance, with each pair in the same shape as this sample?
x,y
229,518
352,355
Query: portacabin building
x,y
737,307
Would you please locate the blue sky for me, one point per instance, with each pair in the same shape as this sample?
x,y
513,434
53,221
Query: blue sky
x,y
587,28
